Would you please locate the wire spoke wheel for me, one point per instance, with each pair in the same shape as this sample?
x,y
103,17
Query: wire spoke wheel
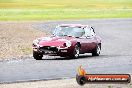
x,y
98,49
76,51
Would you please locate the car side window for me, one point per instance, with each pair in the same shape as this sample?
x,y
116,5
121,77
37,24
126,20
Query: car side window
x,y
89,32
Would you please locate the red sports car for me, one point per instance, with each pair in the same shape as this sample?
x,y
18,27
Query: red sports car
x,y
68,40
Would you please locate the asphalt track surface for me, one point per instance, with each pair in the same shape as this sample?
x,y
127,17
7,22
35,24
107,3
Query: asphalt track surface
x,y
116,55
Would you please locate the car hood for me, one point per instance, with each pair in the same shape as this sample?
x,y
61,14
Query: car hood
x,y
54,41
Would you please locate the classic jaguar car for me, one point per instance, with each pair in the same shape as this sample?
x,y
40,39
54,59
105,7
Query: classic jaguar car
x,y
68,40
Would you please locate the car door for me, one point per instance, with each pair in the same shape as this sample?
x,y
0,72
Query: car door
x,y
90,38
83,43
82,40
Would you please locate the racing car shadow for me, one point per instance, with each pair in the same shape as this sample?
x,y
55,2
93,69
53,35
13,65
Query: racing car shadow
x,y
64,58
67,58
85,56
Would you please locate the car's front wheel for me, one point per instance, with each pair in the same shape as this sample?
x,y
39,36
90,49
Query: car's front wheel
x,y
37,55
97,50
76,52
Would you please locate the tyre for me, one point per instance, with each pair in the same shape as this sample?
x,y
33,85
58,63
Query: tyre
x,y
37,55
96,51
76,52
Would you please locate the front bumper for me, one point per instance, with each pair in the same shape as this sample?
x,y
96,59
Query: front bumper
x,y
51,50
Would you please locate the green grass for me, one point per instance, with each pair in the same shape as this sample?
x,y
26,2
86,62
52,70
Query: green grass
x,y
65,9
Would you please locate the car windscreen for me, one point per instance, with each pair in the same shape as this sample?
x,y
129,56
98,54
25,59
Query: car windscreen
x,y
68,31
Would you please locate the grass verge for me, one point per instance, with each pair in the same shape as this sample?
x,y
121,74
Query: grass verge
x,y
57,14
16,39
18,10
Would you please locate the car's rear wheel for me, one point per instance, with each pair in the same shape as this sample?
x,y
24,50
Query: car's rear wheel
x,y
96,51
76,52
37,56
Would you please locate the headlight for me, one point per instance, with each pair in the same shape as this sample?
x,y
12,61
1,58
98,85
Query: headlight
x,y
68,43
35,42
